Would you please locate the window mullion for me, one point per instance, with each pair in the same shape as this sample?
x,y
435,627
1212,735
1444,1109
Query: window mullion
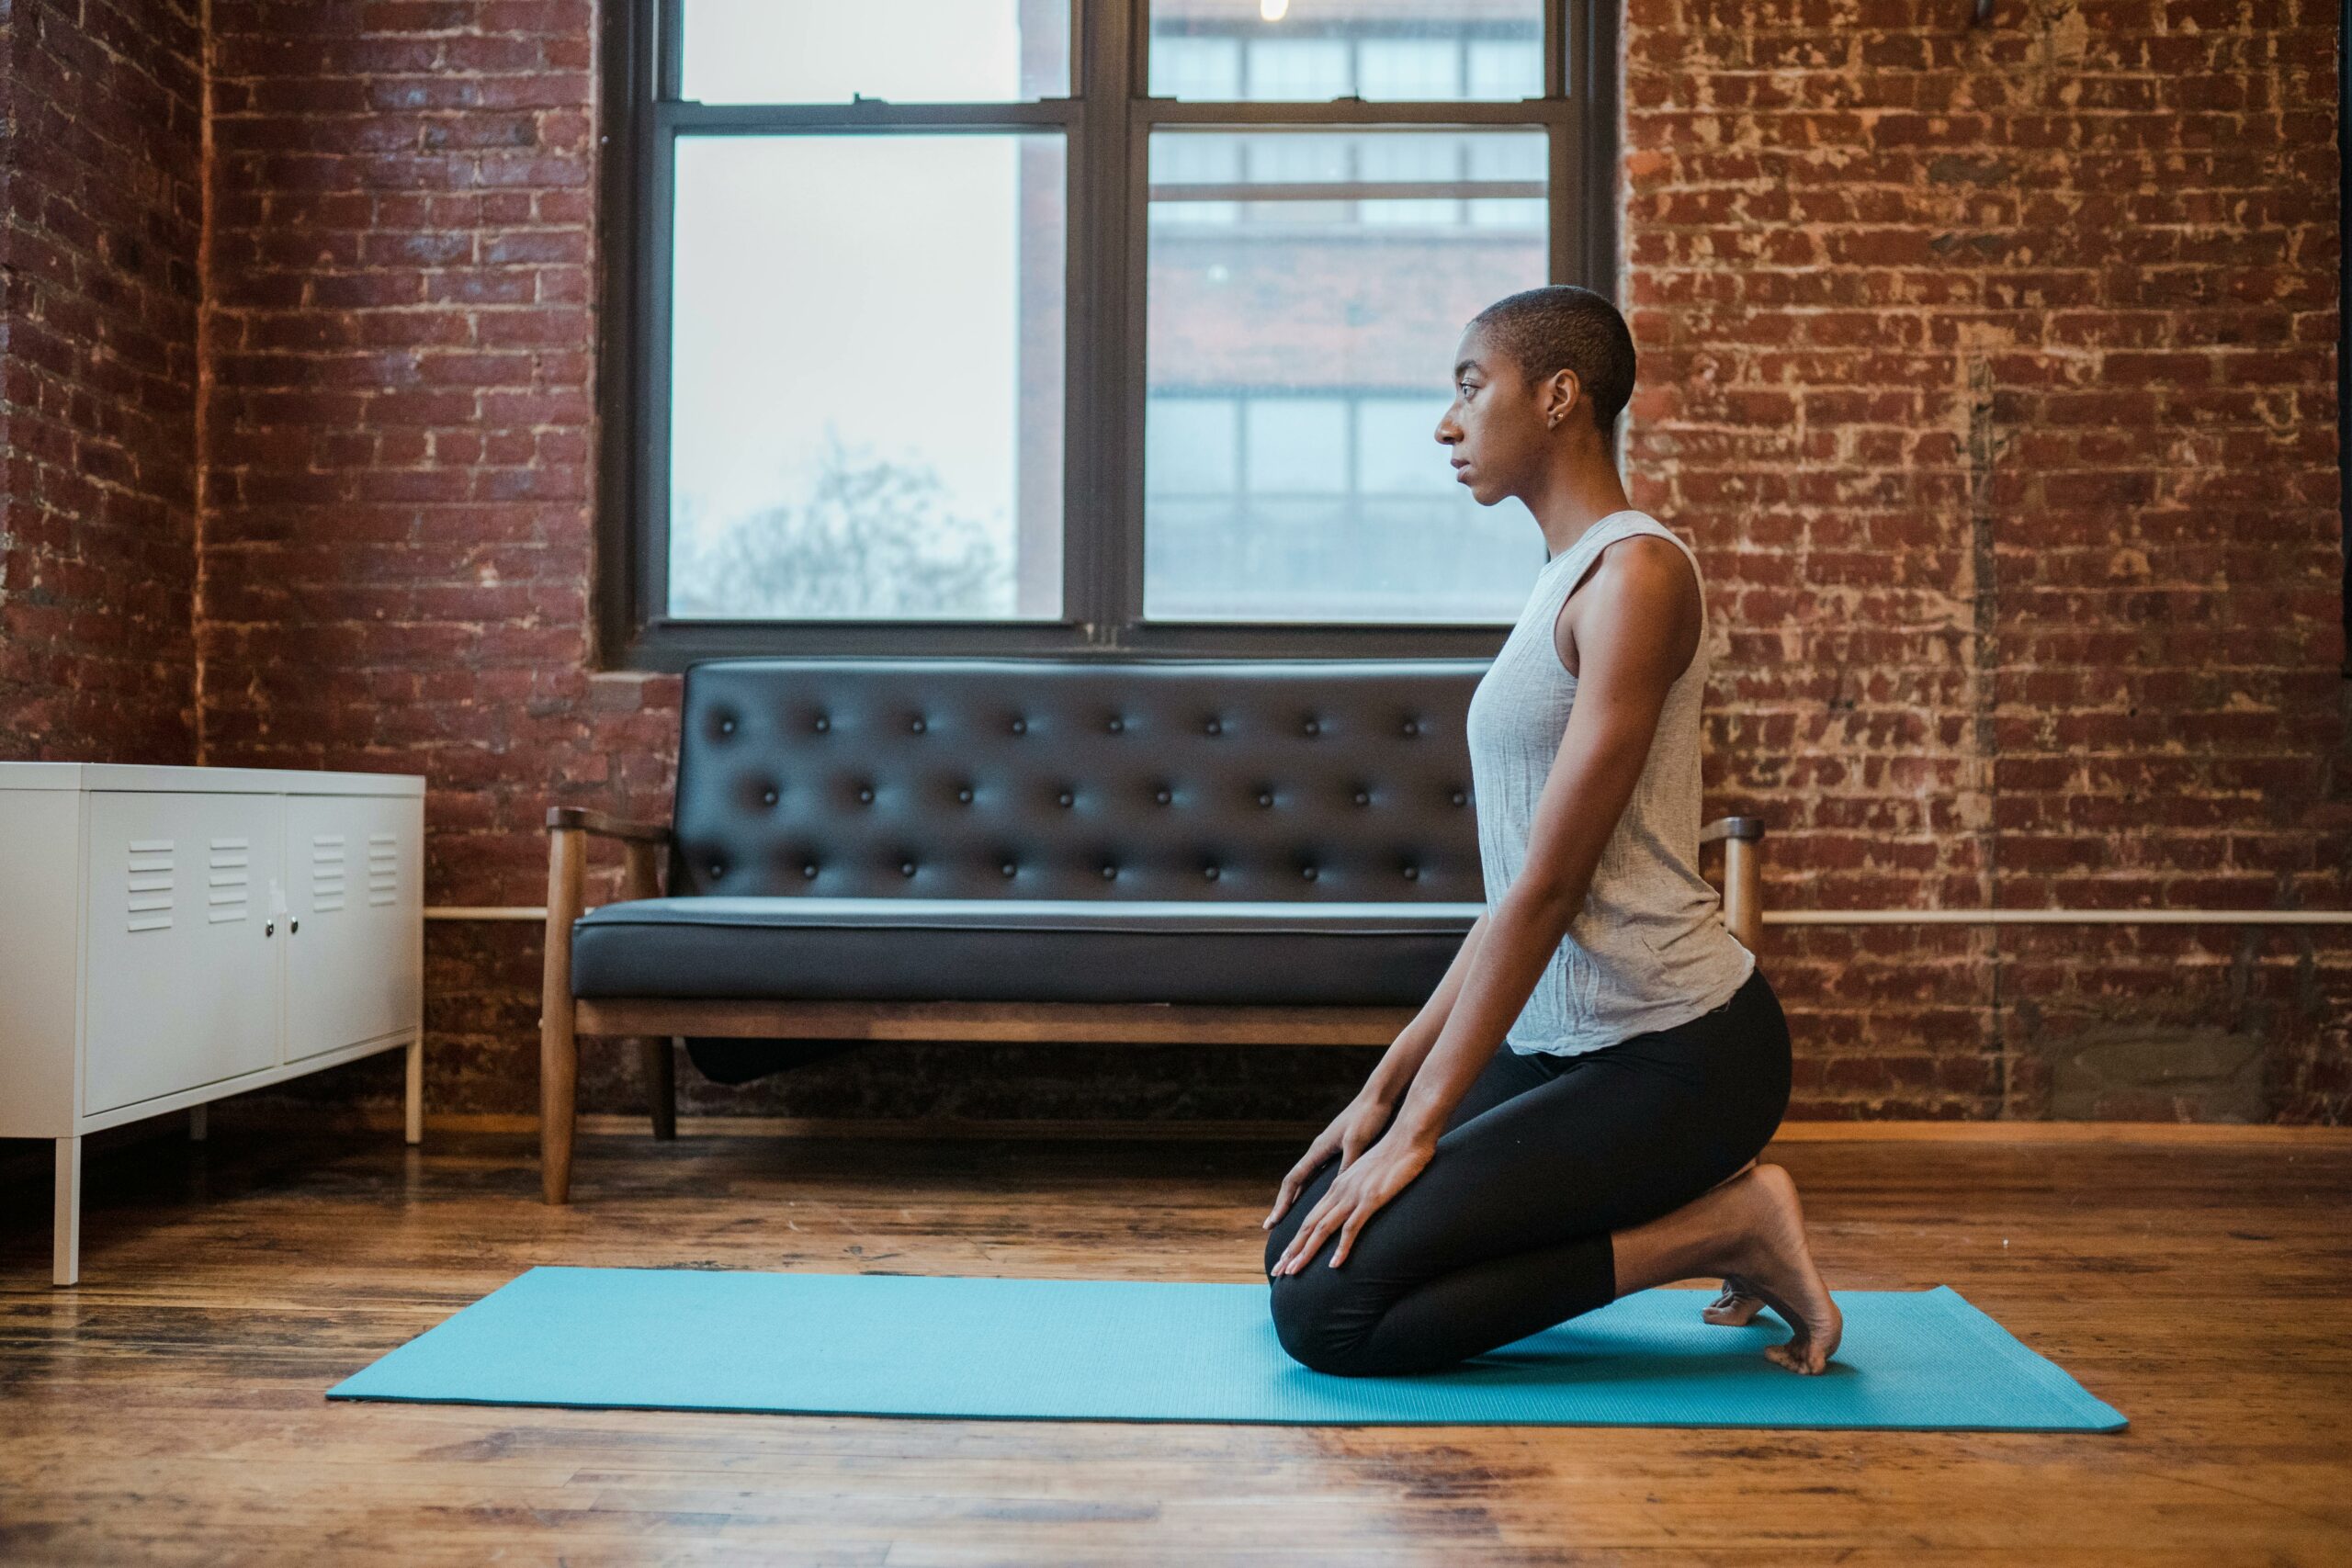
x,y
669,54
1102,516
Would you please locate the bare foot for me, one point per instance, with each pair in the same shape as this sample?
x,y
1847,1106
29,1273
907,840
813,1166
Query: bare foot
x,y
1776,1266
1734,1307
1737,1305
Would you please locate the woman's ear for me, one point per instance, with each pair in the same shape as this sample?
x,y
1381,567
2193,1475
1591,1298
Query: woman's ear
x,y
1561,394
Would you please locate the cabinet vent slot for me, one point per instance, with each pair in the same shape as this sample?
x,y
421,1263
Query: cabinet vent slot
x,y
228,896
383,867
148,886
326,871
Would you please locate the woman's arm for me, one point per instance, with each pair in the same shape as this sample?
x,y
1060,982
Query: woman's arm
x,y
1634,641
1632,644
1389,1080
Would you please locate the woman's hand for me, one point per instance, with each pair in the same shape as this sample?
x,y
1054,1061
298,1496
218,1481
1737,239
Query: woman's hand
x,y
1351,1132
1354,1196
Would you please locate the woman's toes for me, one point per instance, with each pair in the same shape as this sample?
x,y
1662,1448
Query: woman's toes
x,y
1734,1307
1797,1356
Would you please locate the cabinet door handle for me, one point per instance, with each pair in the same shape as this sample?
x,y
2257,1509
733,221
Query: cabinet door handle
x,y
293,925
269,928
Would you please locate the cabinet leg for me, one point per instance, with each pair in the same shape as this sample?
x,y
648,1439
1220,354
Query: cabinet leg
x,y
415,1096
661,1085
200,1125
65,1245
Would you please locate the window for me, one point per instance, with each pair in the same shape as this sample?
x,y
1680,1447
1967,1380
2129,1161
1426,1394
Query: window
x,y
926,332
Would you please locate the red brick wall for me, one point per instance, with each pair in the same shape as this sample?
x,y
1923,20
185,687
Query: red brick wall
x,y
101,156
1992,370
1995,367
397,461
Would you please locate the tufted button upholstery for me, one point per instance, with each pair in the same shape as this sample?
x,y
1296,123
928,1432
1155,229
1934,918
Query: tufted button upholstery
x,y
1274,763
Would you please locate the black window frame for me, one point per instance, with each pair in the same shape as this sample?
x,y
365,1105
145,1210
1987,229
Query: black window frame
x,y
1108,120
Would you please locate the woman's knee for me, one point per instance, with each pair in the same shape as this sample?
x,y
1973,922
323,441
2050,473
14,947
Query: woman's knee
x,y
1324,1319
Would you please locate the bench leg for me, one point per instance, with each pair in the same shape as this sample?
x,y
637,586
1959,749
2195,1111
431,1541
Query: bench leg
x,y
660,1086
558,1045
559,1089
65,1239
412,1099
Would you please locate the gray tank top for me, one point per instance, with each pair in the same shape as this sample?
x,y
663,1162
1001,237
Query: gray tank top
x,y
1649,949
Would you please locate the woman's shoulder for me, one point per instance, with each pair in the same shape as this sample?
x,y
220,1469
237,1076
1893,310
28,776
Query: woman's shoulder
x,y
1630,523
1618,527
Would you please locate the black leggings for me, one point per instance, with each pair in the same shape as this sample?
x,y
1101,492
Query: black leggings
x,y
1505,1232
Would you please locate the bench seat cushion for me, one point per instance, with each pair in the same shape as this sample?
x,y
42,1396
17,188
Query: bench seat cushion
x,y
1296,952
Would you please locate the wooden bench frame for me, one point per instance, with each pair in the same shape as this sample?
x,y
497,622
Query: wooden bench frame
x,y
653,1019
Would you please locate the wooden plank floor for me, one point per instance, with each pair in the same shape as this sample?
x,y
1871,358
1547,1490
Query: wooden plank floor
x,y
170,1409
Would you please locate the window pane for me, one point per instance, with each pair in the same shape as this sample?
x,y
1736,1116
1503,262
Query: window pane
x,y
1392,438
1331,323
1420,159
1308,51
817,52
1502,70
1297,68
1410,68
1193,446
1298,446
857,430
1208,68
1195,162
1500,160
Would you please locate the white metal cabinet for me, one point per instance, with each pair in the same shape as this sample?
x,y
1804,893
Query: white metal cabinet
x,y
181,931
170,935
355,869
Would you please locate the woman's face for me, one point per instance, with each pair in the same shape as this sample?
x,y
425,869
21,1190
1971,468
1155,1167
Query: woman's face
x,y
1495,424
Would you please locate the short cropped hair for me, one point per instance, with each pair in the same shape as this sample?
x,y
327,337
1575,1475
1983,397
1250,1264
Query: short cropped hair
x,y
1564,326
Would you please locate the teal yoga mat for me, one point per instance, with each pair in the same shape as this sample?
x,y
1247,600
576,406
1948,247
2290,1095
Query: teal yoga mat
x,y
1139,1351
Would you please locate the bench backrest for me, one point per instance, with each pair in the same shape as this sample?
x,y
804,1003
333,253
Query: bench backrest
x,y
1089,778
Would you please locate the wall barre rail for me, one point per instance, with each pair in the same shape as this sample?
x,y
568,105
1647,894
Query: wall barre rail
x,y
1801,917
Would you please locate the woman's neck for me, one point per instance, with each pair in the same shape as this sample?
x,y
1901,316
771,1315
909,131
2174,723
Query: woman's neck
x,y
1577,495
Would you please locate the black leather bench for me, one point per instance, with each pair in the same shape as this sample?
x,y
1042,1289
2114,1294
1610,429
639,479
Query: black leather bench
x,y
1139,849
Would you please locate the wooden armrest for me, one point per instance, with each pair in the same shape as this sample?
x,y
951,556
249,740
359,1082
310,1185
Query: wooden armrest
x,y
1743,874
642,844
588,820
